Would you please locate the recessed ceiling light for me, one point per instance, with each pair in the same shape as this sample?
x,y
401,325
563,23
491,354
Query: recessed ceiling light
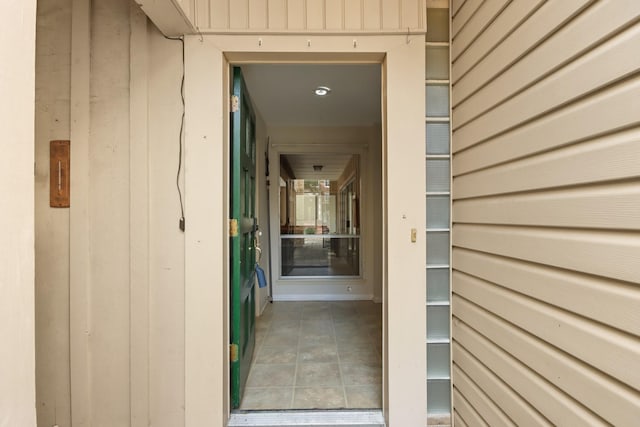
x,y
322,91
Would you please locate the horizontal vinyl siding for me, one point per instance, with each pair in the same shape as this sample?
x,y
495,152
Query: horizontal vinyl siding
x,y
311,16
546,212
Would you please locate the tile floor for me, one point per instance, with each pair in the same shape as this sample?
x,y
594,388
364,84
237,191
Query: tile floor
x,y
317,355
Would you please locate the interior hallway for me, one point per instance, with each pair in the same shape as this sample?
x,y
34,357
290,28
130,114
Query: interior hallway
x,y
317,355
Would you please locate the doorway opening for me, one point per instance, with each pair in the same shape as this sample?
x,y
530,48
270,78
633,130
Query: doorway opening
x,y
317,340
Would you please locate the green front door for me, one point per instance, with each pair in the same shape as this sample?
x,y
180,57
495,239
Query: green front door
x,y
242,236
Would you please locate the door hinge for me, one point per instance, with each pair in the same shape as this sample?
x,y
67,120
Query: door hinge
x,y
233,352
233,227
235,103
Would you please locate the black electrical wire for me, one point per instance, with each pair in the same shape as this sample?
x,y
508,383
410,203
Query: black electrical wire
x,y
181,223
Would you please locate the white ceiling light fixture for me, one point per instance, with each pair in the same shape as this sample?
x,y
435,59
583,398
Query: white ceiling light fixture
x,y
322,91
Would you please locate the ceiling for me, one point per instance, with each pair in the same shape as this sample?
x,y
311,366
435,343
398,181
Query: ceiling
x,y
283,94
333,164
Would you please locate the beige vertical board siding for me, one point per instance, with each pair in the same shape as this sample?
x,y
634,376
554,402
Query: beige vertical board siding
x,y
139,218
202,14
239,14
277,12
53,81
166,242
258,15
390,14
334,15
17,86
353,15
79,236
546,212
309,16
315,15
218,14
109,224
372,15
296,15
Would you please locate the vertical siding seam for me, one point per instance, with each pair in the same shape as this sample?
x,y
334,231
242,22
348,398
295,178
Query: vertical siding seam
x,y
248,15
305,13
344,13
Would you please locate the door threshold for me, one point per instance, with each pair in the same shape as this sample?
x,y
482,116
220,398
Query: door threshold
x,y
324,418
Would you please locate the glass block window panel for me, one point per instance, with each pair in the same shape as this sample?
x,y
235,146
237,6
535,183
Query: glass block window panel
x,y
438,360
438,248
438,323
437,138
437,25
437,100
438,175
438,396
437,284
437,63
437,211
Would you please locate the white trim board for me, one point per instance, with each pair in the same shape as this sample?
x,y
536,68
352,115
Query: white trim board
x,y
324,297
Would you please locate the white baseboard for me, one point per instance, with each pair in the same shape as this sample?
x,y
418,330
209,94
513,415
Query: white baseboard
x,y
323,297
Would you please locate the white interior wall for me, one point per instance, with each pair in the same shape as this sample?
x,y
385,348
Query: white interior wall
x,y
262,208
17,366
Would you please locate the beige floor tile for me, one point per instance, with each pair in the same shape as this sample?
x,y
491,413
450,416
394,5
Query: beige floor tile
x,y
289,306
318,398
316,326
276,355
364,397
307,340
318,354
306,351
358,355
316,315
267,398
285,324
318,374
271,375
344,340
281,339
361,373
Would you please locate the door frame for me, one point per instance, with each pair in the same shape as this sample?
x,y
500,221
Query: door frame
x,y
207,60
